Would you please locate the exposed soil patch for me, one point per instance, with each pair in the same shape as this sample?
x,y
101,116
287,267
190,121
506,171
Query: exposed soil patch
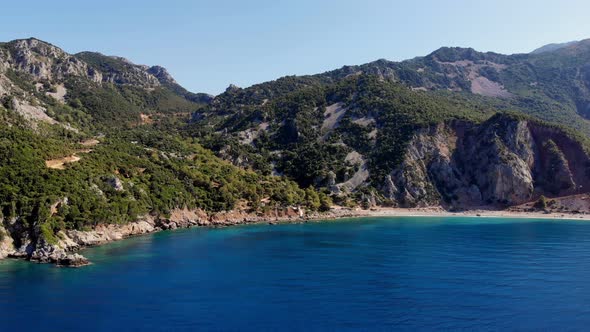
x,y
146,119
364,121
483,86
61,162
332,115
479,84
90,142
31,112
59,94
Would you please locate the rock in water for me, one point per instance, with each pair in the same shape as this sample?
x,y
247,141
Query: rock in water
x,y
72,260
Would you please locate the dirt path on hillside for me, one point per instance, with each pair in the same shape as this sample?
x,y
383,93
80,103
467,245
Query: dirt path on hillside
x,y
60,163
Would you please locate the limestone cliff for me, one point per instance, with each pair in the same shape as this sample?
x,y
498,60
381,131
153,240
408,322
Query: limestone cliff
x,y
34,75
503,161
44,61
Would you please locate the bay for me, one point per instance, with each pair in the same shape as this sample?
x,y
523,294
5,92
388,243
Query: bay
x,y
402,273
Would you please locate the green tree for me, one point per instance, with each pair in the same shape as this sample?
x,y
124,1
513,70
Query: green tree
x,y
312,199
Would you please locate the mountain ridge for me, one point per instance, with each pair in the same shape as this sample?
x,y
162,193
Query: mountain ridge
x,y
88,140
553,47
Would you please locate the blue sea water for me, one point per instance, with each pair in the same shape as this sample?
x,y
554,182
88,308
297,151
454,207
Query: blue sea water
x,y
367,274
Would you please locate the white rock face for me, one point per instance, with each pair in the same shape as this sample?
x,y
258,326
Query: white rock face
x,y
45,61
49,65
59,94
360,175
468,165
30,112
6,243
108,233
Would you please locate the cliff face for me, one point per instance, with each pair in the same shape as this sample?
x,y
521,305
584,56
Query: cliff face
x,y
503,161
6,243
37,80
42,60
119,70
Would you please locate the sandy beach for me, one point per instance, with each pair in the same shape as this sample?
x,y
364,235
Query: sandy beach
x,y
440,212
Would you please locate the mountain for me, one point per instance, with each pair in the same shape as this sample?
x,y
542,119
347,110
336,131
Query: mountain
x,y
43,83
552,47
553,86
95,148
359,131
88,140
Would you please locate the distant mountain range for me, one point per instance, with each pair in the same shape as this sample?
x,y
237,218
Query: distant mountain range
x,y
87,139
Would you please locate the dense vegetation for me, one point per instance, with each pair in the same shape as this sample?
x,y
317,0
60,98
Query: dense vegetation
x,y
130,173
553,86
297,145
291,141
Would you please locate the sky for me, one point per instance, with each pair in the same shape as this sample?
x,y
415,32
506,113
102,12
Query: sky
x,y
206,45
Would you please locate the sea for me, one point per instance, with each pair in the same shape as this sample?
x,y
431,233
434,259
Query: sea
x,y
366,274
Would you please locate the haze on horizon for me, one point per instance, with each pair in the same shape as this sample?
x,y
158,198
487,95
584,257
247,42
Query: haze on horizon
x,y
206,45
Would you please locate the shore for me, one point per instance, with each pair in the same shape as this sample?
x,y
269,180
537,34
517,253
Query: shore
x,y
439,212
66,251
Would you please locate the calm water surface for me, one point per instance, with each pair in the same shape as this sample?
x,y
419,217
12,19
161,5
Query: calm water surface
x,y
368,274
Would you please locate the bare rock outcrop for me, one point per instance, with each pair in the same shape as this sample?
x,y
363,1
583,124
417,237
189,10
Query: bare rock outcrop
x,y
503,161
6,243
115,183
49,253
61,249
110,232
45,61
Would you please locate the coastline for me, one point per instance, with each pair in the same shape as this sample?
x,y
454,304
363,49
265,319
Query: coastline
x,y
67,252
484,213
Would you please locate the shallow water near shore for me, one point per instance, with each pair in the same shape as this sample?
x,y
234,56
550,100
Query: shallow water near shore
x,y
403,273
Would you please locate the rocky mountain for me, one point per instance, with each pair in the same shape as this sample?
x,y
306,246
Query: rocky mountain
x,y
98,144
44,83
552,85
505,160
367,131
552,47
90,142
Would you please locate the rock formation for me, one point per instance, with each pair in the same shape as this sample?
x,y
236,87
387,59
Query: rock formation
x,y
503,161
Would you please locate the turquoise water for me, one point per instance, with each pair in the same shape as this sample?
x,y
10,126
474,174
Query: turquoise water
x,y
366,274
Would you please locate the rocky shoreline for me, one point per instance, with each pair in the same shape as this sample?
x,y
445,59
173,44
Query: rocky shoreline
x,y
35,248
64,253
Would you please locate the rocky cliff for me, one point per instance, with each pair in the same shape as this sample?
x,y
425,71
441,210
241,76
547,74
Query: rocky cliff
x,y
426,132
42,60
503,161
43,83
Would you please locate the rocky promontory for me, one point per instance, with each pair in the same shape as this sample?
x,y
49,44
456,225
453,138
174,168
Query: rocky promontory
x,y
33,246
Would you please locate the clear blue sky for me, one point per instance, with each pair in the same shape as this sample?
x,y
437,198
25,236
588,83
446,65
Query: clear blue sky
x,y
206,45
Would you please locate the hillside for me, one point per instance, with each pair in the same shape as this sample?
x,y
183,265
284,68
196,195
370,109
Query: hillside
x,y
81,146
371,140
552,85
552,47
94,147
88,90
351,130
